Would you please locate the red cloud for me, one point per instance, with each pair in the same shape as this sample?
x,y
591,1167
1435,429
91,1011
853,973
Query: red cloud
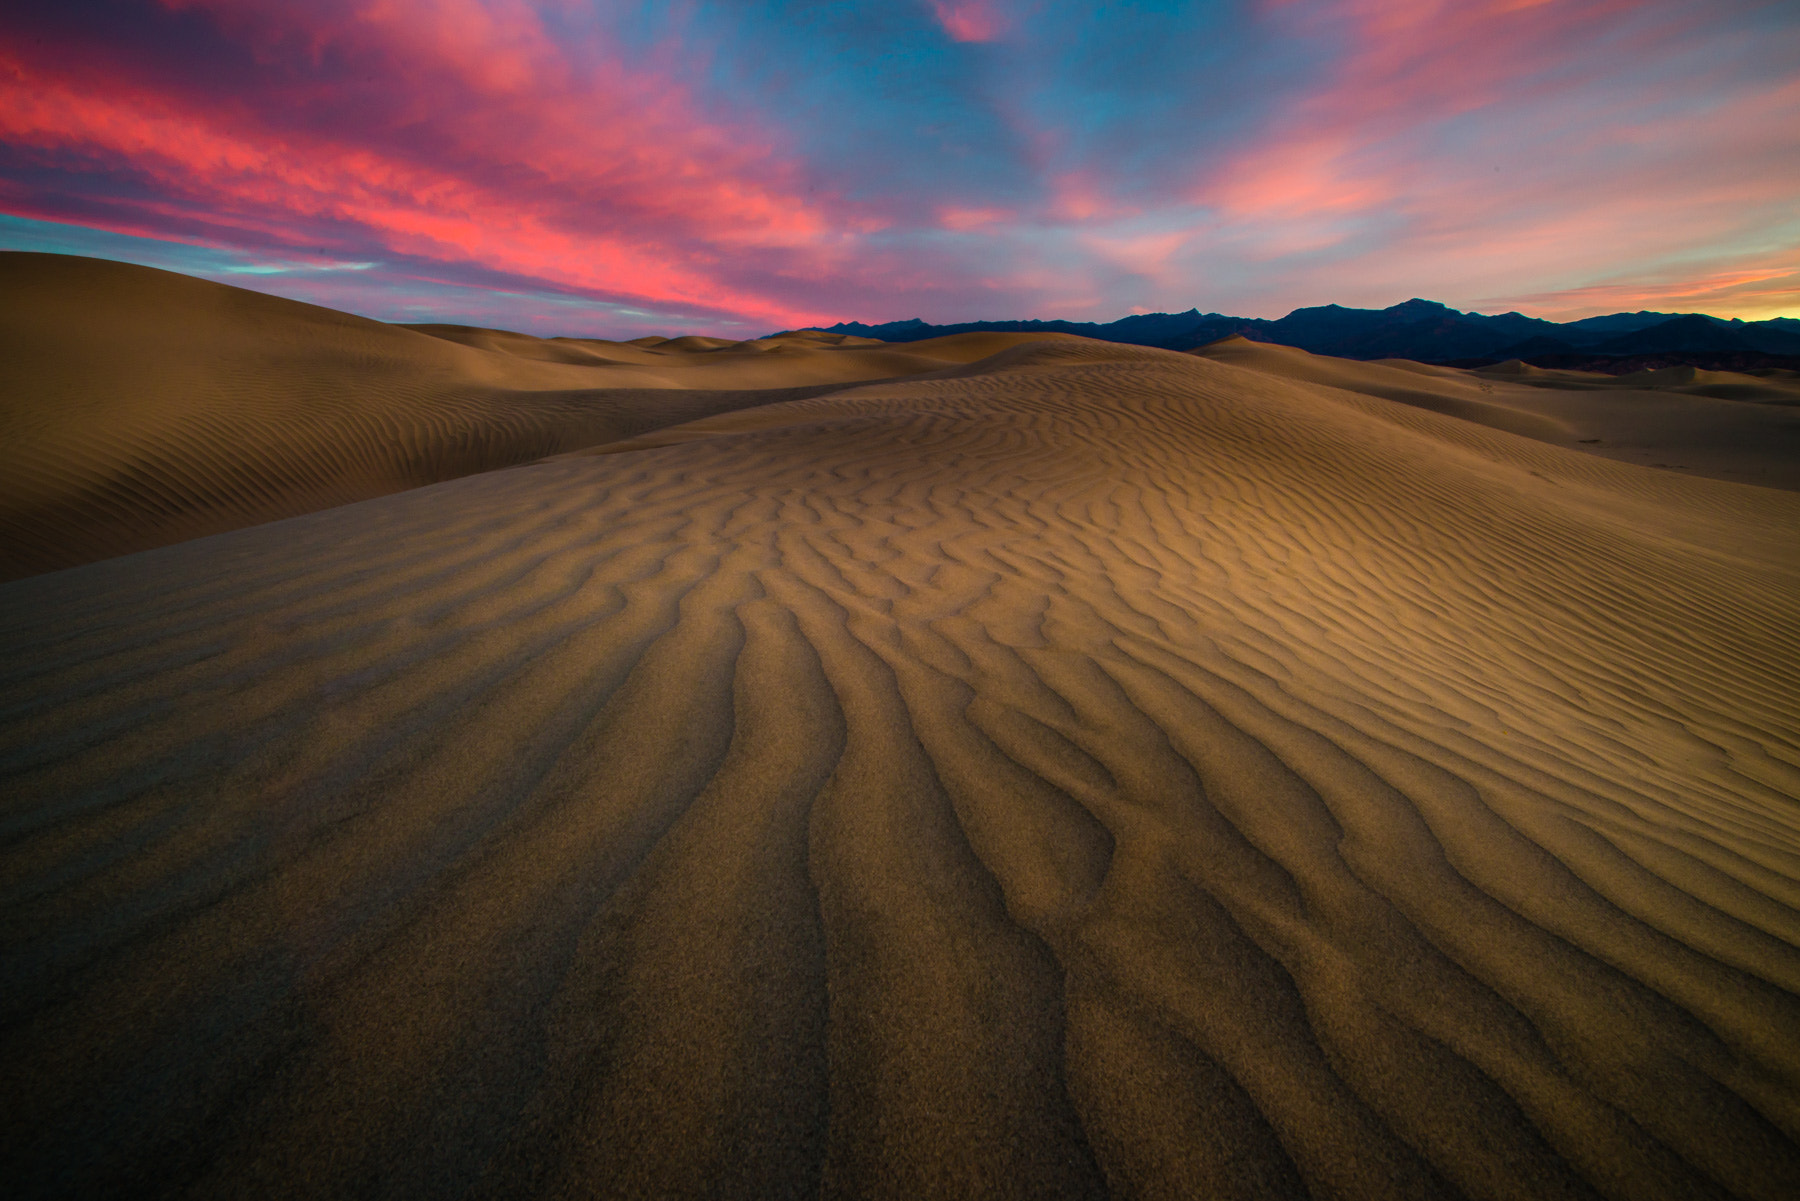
x,y
478,144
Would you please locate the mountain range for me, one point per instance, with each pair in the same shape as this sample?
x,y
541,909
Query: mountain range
x,y
1416,329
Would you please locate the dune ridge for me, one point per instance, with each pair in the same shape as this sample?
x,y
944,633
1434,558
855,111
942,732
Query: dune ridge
x,y
1094,771
142,408
1717,424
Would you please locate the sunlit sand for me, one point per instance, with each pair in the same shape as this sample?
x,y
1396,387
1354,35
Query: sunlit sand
x,y
998,766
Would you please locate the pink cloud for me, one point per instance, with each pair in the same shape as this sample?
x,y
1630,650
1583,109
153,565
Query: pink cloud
x,y
1305,177
1767,286
1406,64
1081,195
1380,149
1147,254
609,181
962,220
970,20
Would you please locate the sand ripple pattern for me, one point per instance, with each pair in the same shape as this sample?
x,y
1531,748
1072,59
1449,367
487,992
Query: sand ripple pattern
x,y
140,408
1111,772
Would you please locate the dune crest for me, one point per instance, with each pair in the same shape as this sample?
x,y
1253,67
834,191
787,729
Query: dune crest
x,y
1087,771
1668,419
142,408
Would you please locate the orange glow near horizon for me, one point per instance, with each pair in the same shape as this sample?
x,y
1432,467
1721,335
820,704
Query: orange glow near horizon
x,y
1753,293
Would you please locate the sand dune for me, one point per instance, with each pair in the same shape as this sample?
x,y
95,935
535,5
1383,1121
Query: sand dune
x,y
1440,389
1671,419
141,407
1090,771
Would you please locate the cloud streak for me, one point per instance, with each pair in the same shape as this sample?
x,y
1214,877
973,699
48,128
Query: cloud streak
x,y
767,166
969,20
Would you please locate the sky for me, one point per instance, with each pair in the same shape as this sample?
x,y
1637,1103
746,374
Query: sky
x,y
604,168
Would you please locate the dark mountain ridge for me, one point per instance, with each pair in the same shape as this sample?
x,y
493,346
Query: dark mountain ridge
x,y
1419,329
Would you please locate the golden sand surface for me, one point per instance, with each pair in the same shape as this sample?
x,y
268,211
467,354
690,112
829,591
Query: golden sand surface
x,y
140,407
1719,424
1087,770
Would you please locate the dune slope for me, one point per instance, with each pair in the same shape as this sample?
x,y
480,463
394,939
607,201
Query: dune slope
x,y
1741,428
1105,771
140,407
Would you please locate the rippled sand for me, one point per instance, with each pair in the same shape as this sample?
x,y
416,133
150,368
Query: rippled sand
x,y
1089,770
140,408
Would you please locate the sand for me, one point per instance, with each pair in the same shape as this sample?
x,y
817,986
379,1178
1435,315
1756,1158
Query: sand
x,y
1088,770
140,407
1718,424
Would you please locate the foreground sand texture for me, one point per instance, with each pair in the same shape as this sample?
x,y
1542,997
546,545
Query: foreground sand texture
x,y
1092,771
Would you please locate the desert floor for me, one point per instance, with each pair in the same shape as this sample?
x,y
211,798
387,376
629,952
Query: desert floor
x,y
996,767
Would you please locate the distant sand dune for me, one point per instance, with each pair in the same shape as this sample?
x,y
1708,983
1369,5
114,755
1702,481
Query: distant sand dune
x,y
1092,770
141,407
1672,418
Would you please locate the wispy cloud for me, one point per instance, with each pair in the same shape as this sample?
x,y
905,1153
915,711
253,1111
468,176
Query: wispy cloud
x,y
970,20
296,268
479,144
389,291
1763,287
780,165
